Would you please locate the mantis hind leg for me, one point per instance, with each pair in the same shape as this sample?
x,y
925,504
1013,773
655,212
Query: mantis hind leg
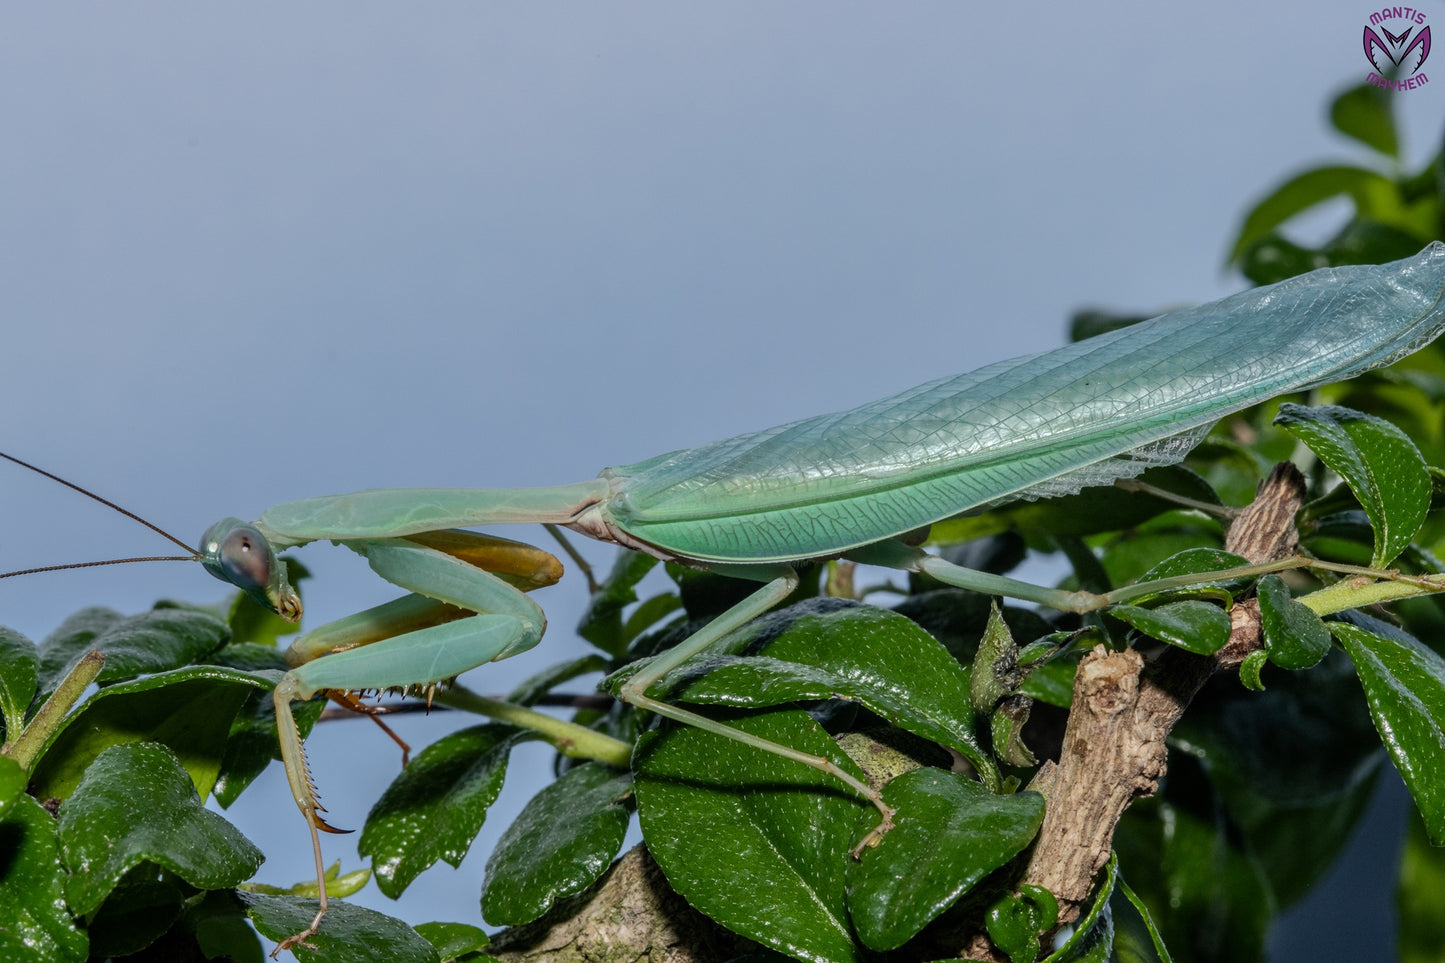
x,y
907,558
466,617
634,691
910,559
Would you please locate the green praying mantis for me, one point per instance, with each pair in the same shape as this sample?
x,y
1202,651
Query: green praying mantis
x,y
855,485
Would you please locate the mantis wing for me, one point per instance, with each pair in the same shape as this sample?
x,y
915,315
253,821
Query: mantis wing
x,y
1044,424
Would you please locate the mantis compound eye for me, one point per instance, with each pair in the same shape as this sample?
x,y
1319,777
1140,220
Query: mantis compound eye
x,y
238,553
246,559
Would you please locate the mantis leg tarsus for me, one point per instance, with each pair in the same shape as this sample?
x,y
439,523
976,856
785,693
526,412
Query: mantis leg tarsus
x,y
299,939
875,836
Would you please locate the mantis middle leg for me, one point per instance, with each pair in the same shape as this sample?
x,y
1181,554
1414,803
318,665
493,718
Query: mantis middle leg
x,y
634,691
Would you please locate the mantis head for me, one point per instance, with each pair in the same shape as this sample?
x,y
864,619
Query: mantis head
x,y
236,552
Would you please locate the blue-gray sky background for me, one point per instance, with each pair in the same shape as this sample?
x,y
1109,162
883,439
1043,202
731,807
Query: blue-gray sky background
x,y
256,252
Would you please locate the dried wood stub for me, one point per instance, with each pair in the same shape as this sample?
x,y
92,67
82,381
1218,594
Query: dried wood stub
x,y
1114,745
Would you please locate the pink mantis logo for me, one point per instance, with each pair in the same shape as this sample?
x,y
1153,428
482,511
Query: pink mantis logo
x,y
1406,50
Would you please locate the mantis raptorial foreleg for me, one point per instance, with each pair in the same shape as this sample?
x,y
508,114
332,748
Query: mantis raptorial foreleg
x,y
468,617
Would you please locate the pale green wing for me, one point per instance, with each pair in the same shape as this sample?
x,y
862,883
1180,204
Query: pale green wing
x,y
1044,424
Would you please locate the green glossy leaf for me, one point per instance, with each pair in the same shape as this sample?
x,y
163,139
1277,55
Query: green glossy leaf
x,y
436,807
1136,936
349,933
1366,240
140,910
1052,682
1294,637
1151,556
221,930
1343,536
1134,555
154,641
453,940
1013,927
338,885
19,668
541,683
756,842
564,839
1292,768
1420,896
1300,193
1044,905
1250,670
1364,113
650,612
1196,561
831,648
950,833
13,780
1091,322
1405,687
957,617
253,744
1380,464
1006,729
1273,258
602,623
32,881
995,672
1207,898
136,805
189,710
1192,625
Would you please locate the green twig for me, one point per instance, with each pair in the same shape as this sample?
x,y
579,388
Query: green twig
x,y
26,749
1354,593
569,738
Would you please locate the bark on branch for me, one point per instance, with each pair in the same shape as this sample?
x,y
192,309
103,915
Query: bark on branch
x,y
1123,710
631,915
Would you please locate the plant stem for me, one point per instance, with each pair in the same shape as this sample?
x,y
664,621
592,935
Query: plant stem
x,y
569,738
1357,592
26,749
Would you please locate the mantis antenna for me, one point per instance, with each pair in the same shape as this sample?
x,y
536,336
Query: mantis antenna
x,y
191,557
